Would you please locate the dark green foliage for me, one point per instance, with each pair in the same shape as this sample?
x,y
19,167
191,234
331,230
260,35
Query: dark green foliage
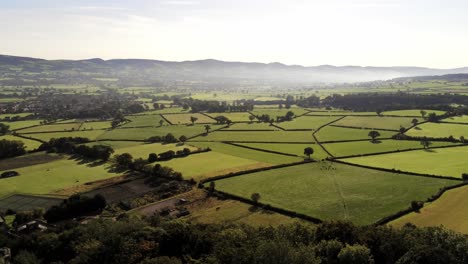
x,y
8,174
11,148
465,176
134,108
152,157
123,160
4,128
75,206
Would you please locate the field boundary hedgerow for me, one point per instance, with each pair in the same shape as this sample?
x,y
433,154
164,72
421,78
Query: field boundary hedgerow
x,y
318,129
165,119
409,210
366,128
262,150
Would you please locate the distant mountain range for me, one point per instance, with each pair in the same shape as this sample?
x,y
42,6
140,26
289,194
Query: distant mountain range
x,y
207,70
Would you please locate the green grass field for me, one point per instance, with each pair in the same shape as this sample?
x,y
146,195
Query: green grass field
x,y
116,144
351,193
376,122
144,133
95,125
330,133
261,136
50,128
340,113
178,119
167,110
143,150
144,121
457,119
288,148
52,176
439,130
366,147
442,161
273,113
251,126
204,165
90,134
2,116
449,210
29,144
234,116
307,122
22,124
412,112
259,156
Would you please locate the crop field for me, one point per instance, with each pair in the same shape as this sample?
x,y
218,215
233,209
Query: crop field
x,y
28,143
412,112
20,202
366,147
204,165
234,116
330,133
288,148
250,154
95,125
22,124
307,122
177,119
144,121
437,130
144,133
143,150
273,113
344,192
51,128
259,136
376,122
251,126
442,161
90,134
45,178
457,119
449,210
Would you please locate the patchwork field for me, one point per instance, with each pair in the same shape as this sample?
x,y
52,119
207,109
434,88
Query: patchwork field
x,y
330,133
307,122
449,210
22,124
52,176
366,147
116,144
457,119
273,113
412,112
341,113
443,161
52,127
251,126
260,136
234,117
177,119
204,165
376,122
288,148
90,134
143,150
345,192
144,121
439,130
95,125
241,152
28,143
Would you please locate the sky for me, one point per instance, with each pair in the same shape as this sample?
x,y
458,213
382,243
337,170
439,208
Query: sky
x,y
427,33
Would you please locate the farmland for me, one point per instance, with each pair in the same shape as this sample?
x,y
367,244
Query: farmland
x,y
251,126
457,119
177,119
344,192
331,133
234,117
288,148
259,136
51,128
29,144
307,122
439,130
376,122
144,121
421,161
142,151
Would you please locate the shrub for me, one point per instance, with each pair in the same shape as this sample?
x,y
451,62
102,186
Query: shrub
x,y
465,176
416,205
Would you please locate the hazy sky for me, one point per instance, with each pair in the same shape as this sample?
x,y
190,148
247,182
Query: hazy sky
x,y
432,33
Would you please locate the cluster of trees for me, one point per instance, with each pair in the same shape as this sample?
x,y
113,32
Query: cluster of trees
x,y
157,106
223,120
4,129
11,148
153,240
311,101
76,205
169,138
267,119
74,145
170,154
213,106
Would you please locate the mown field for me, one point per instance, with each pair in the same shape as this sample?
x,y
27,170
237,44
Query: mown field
x,y
51,128
345,192
144,121
439,130
457,119
376,122
29,144
260,136
449,210
330,133
367,147
95,125
22,124
307,122
442,161
288,148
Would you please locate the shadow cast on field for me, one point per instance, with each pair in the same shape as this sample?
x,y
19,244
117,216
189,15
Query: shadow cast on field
x,y
430,150
376,141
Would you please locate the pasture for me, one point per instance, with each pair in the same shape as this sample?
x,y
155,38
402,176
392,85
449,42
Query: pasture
x,y
457,119
375,122
449,210
95,125
51,128
22,124
306,122
412,112
28,143
273,113
259,136
234,116
331,133
180,119
251,126
442,161
367,147
349,193
116,144
143,150
144,121
439,130
90,134
288,148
